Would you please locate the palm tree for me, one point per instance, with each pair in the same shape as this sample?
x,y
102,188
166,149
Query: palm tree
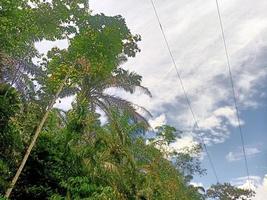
x,y
93,89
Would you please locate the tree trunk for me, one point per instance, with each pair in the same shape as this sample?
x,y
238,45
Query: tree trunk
x,y
36,134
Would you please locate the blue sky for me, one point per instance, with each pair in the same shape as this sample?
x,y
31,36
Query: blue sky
x,y
193,31
255,137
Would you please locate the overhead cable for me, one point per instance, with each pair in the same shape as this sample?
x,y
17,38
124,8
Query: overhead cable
x,y
184,90
233,89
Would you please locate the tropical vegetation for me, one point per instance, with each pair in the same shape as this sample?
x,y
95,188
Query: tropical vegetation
x,y
48,153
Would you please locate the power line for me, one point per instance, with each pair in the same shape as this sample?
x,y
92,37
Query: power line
x,y
233,89
183,88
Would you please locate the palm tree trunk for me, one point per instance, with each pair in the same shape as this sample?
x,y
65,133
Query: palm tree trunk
x,y
36,134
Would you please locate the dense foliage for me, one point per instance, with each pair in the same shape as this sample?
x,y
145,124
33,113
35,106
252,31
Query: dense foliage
x,y
226,191
76,156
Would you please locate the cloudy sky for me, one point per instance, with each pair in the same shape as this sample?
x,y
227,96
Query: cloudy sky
x,y
193,31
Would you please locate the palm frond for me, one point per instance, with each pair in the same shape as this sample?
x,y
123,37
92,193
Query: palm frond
x,y
120,104
18,73
13,67
128,81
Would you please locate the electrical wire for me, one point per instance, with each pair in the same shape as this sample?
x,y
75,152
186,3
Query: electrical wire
x,y
184,91
233,89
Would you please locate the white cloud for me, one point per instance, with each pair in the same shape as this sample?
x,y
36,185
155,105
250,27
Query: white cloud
x,y
256,183
183,144
158,121
247,183
186,141
64,103
195,184
261,191
239,155
215,126
228,113
193,32
45,45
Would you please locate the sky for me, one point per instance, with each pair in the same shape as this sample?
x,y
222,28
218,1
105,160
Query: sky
x,y
193,32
